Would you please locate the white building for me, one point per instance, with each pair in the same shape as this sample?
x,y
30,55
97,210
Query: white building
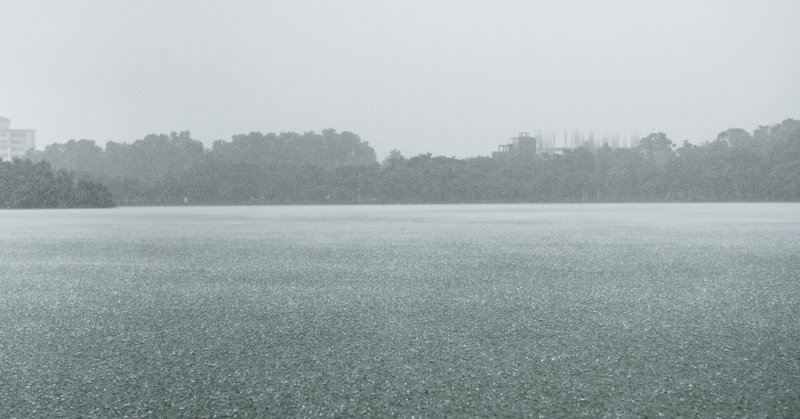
x,y
14,143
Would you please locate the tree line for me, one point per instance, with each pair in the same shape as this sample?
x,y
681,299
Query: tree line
x,y
340,168
24,184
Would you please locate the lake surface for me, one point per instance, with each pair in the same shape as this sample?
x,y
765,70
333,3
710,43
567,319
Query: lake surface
x,y
461,310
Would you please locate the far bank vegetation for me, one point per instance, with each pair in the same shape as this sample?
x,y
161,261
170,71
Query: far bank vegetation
x,y
339,168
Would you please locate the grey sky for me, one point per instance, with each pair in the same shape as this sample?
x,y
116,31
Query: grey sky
x,y
447,77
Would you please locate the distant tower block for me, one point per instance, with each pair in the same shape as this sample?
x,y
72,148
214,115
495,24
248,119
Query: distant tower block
x,y
524,143
15,143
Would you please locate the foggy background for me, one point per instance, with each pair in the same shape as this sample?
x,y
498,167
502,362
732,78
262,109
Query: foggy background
x,y
454,78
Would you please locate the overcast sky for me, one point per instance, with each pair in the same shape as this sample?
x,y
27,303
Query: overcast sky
x,y
454,78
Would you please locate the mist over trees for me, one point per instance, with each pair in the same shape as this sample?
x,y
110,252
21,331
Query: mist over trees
x,y
331,167
24,184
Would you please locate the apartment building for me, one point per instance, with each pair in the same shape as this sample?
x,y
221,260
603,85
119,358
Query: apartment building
x,y
14,143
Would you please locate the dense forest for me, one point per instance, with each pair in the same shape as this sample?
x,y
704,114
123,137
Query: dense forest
x,y
24,184
331,167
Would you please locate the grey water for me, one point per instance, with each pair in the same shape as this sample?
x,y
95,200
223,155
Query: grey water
x,y
573,309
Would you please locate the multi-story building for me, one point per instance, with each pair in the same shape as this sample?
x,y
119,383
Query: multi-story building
x,y
15,143
551,143
523,144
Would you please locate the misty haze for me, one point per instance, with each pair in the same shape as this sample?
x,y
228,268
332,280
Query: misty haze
x,y
415,209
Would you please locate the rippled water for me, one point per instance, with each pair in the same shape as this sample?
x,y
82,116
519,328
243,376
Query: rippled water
x,y
677,309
